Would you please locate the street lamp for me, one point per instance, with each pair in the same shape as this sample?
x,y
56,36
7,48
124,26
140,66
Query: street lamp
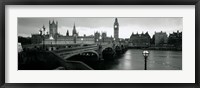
x,y
100,48
51,38
145,54
97,41
43,34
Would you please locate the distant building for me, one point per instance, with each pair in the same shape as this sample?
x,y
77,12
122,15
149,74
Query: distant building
x,y
71,40
175,39
104,36
96,36
36,39
160,38
85,40
61,40
107,40
140,40
24,40
152,41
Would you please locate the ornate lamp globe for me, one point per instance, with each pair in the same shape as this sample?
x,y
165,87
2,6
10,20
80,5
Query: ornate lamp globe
x,y
145,53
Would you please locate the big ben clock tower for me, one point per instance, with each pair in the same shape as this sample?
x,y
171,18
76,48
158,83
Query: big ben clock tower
x,y
116,29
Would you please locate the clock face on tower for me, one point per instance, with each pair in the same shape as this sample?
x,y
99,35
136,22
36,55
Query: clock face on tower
x,y
115,26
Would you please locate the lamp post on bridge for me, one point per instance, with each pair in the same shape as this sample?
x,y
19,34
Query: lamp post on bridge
x,y
145,54
42,33
97,41
43,36
99,48
100,39
51,38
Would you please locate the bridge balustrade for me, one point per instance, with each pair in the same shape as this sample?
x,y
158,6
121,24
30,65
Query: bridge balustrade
x,y
68,52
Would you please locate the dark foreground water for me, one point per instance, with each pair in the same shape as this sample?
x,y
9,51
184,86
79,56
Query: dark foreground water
x,y
133,59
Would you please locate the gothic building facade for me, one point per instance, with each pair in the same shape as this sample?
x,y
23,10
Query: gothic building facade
x,y
140,40
53,29
104,38
161,38
74,38
175,39
66,39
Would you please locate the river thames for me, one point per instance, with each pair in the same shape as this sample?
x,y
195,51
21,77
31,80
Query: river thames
x,y
133,59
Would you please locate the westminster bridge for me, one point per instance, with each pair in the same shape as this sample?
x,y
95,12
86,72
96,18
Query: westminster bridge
x,y
102,51
97,51
72,56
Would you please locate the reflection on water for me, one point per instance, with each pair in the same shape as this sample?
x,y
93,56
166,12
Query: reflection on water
x,y
134,60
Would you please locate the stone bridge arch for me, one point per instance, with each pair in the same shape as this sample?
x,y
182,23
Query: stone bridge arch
x,y
108,53
119,49
107,47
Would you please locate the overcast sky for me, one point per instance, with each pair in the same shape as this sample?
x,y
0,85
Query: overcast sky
x,y
28,26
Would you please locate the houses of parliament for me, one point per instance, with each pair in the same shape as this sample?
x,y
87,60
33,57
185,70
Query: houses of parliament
x,y
159,39
53,37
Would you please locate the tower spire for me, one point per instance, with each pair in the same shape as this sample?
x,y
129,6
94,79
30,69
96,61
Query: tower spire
x,y
116,20
67,34
43,27
53,22
74,30
74,26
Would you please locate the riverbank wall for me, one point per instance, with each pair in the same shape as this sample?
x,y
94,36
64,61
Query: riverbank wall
x,y
158,48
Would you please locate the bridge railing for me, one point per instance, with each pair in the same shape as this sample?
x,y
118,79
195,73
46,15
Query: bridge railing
x,y
72,49
76,51
79,48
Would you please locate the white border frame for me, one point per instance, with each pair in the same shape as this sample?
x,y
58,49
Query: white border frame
x,y
186,75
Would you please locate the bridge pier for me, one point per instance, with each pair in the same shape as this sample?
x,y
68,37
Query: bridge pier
x,y
100,52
